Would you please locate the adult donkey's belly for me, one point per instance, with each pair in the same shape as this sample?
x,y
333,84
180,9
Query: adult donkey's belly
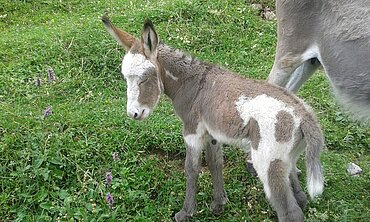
x,y
347,65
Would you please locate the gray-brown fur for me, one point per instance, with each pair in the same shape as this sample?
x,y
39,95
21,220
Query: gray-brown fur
x,y
299,195
214,158
148,87
254,134
336,33
214,105
284,201
284,126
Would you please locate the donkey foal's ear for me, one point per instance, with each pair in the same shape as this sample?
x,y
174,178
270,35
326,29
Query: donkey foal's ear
x,y
123,38
149,39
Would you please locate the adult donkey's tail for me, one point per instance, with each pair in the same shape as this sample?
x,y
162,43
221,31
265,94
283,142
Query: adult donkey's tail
x,y
315,141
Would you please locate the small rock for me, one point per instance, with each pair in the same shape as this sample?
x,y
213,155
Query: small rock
x,y
268,14
353,169
256,6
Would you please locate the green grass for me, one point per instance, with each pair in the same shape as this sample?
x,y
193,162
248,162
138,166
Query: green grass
x,y
53,168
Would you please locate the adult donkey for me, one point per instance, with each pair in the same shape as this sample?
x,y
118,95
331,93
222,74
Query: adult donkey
x,y
334,34
217,106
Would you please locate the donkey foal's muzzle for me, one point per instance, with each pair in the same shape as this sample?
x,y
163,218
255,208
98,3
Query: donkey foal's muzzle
x,y
137,114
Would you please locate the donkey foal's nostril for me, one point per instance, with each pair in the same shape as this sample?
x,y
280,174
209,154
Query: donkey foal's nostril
x,y
137,114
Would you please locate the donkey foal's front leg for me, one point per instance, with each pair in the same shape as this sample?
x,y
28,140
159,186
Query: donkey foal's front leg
x,y
214,160
192,167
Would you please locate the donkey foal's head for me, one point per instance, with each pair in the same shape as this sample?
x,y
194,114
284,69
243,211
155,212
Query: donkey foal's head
x,y
139,68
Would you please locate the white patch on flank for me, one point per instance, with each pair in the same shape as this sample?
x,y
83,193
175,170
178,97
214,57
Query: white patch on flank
x,y
264,110
169,74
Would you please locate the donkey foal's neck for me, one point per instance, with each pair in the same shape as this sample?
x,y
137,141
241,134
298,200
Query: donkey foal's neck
x,y
180,71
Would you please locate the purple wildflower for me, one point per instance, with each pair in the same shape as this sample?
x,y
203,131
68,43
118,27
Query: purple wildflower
x,y
108,178
51,75
38,82
110,200
115,156
47,111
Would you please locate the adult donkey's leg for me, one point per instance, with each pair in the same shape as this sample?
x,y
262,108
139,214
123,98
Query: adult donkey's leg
x,y
296,44
194,144
214,158
292,69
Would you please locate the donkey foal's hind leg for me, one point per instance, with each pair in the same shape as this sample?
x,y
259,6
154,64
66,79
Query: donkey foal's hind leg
x,y
214,160
299,195
281,194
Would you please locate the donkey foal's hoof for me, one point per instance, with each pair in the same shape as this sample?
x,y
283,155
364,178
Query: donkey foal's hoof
x,y
301,199
250,168
217,208
181,216
295,215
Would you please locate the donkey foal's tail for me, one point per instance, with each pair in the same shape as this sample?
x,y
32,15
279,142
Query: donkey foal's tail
x,y
315,142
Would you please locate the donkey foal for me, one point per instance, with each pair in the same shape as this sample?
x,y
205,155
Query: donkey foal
x,y
217,106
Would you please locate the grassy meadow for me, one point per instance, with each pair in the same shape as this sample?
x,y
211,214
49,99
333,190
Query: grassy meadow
x,y
63,122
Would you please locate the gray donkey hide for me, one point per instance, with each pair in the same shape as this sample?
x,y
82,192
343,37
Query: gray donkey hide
x,y
334,34
217,106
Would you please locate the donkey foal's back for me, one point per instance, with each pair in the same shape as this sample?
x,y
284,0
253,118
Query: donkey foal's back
x,y
217,106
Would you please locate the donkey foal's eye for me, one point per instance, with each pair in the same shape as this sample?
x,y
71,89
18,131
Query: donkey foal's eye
x,y
143,81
